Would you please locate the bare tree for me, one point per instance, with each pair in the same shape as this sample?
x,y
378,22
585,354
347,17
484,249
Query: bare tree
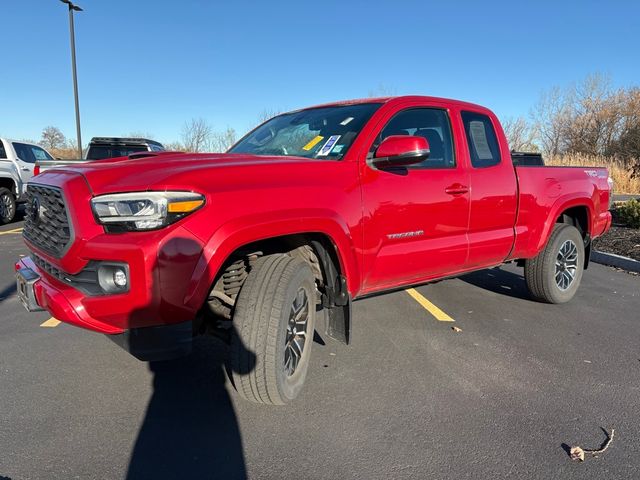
x,y
196,135
52,138
141,134
625,143
383,90
174,147
592,112
520,134
267,114
551,116
590,118
222,141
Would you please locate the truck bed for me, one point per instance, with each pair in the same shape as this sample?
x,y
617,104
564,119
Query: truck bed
x,y
541,193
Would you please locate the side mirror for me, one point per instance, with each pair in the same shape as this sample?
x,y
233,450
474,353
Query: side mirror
x,y
401,150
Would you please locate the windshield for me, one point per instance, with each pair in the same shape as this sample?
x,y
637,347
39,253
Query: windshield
x,y
325,132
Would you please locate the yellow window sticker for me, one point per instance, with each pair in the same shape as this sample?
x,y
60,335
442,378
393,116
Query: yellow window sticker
x,y
314,141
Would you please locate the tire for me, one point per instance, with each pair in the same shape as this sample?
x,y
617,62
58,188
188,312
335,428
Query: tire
x,y
263,345
7,206
555,274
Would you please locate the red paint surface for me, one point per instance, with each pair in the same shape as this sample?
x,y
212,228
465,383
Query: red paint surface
x,y
453,220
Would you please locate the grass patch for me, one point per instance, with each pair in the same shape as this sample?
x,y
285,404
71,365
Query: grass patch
x,y
621,171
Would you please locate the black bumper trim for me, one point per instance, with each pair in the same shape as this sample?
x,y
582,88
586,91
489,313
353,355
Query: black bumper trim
x,y
162,342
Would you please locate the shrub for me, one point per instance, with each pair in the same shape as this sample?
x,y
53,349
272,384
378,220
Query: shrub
x,y
630,213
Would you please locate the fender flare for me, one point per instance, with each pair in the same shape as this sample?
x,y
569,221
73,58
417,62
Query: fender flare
x,y
559,206
253,228
15,179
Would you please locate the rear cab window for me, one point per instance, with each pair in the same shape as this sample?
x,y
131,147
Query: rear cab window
x,y
482,141
3,152
30,153
100,152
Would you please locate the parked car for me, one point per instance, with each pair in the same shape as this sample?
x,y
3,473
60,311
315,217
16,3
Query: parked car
x,y
112,147
17,161
105,147
310,211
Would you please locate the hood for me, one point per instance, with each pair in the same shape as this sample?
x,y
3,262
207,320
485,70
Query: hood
x,y
168,170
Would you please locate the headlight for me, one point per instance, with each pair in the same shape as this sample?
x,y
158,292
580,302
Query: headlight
x,y
144,210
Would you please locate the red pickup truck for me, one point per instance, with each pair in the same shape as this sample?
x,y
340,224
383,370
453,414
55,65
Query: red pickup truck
x,y
308,212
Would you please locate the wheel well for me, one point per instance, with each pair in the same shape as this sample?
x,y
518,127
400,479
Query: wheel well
x,y
306,246
579,218
8,183
317,249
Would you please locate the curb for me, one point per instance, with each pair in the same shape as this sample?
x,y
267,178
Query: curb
x,y
616,261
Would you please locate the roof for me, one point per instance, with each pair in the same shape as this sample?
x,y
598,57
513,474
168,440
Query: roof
x,y
398,99
124,140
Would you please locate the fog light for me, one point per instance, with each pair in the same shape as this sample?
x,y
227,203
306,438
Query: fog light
x,y
113,277
120,277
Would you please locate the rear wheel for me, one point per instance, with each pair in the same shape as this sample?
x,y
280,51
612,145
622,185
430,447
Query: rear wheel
x,y
7,206
274,323
555,274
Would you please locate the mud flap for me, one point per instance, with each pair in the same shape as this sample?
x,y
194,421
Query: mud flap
x,y
335,299
339,323
338,303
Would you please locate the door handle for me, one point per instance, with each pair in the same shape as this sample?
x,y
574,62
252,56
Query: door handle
x,y
456,189
25,169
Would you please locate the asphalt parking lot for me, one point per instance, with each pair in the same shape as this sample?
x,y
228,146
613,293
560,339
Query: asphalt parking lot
x,y
410,398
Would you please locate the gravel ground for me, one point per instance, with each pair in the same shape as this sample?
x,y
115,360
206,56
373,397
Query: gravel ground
x,y
620,239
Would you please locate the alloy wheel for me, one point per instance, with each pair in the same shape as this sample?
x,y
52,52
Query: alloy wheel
x,y
297,334
566,265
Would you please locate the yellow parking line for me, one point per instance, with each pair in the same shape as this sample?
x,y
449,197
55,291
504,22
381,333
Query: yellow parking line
x,y
430,307
52,322
15,230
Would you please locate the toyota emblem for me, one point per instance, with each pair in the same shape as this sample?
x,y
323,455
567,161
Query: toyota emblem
x,y
34,209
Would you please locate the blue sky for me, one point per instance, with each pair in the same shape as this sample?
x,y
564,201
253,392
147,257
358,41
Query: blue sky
x,y
149,66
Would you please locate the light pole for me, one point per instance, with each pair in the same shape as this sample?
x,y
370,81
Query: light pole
x,y
75,8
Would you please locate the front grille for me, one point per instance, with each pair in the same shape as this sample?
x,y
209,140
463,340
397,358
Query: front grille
x,y
49,268
85,281
46,223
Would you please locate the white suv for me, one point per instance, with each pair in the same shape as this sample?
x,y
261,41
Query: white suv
x,y
17,160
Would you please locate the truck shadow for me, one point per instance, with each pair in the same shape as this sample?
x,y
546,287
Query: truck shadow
x,y
190,428
499,281
8,292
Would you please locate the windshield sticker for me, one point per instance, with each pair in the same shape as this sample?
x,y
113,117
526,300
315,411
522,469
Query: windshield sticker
x,y
337,148
314,141
329,144
346,121
479,137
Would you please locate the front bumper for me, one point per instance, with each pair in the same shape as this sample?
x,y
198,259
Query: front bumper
x,y
62,301
160,265
152,343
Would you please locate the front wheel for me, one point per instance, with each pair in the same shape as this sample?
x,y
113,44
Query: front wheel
x,y
555,274
274,323
7,206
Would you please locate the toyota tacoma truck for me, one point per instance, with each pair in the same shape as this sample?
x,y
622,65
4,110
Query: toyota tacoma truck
x,y
308,212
